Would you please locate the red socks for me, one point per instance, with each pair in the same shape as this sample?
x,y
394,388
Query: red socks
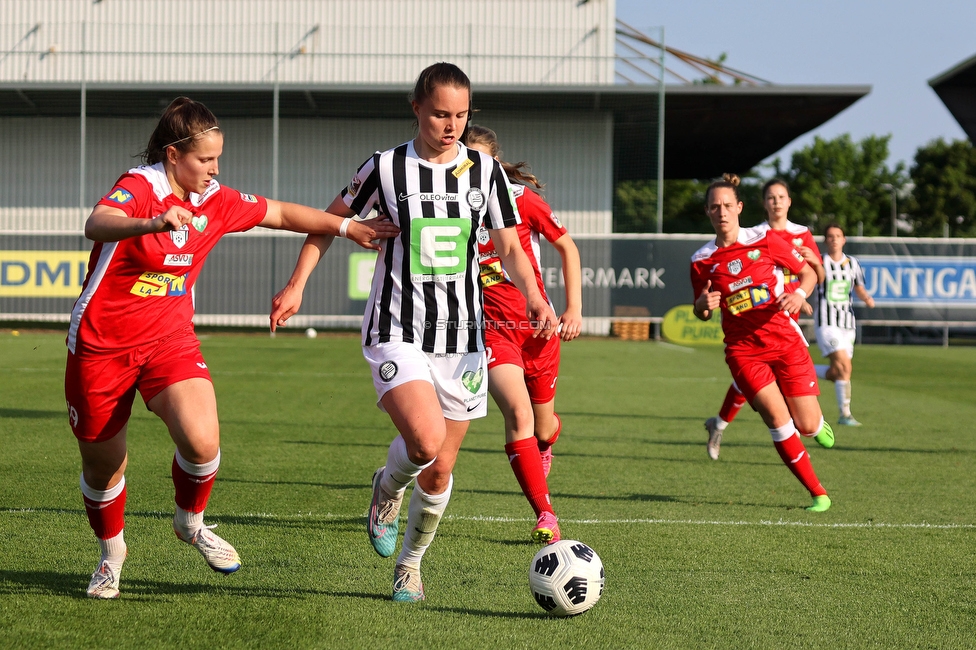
x,y
107,518
734,400
527,465
192,492
795,456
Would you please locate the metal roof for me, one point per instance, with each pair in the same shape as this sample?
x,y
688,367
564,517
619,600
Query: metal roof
x,y
956,87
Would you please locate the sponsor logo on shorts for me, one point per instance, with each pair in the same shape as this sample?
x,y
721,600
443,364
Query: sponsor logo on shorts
x,y
472,380
120,196
248,198
73,416
475,198
471,408
735,266
178,259
180,236
738,284
201,365
388,370
488,354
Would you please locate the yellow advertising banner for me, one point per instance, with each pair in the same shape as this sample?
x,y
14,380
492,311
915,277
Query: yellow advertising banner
x,y
42,274
681,326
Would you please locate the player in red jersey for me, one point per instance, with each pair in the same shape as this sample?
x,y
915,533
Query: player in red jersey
x,y
764,347
776,201
522,370
131,329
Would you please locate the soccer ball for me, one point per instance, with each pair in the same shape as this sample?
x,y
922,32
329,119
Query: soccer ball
x,y
311,333
566,578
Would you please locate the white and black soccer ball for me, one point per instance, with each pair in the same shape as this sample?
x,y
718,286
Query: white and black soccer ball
x,y
566,578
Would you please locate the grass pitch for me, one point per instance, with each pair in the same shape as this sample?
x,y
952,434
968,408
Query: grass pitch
x,y
697,553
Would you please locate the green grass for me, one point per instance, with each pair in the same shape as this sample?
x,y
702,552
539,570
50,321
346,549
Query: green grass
x,y
697,553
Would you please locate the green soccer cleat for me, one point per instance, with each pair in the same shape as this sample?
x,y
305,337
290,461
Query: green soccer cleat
x,y
820,504
848,421
825,438
407,586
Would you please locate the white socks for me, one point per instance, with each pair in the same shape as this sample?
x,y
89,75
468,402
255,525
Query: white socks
x,y
784,432
720,424
843,391
399,470
423,516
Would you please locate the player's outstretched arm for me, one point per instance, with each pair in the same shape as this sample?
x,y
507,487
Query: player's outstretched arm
x,y
337,220
863,294
571,320
519,268
107,224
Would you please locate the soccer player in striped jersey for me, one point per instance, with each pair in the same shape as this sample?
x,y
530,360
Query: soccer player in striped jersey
x,y
132,329
522,370
764,347
423,331
776,201
834,318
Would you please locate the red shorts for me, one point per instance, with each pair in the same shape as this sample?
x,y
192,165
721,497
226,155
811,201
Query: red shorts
x,y
791,368
100,388
537,357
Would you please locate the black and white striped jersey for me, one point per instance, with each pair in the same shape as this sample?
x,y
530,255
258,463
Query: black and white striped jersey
x,y
426,289
835,306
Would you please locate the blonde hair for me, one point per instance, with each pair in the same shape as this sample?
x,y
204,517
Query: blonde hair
x,y
517,173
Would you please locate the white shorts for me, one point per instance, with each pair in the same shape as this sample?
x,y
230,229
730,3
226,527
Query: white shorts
x,y
460,380
830,339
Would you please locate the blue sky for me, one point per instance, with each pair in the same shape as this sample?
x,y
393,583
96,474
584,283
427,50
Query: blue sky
x,y
895,46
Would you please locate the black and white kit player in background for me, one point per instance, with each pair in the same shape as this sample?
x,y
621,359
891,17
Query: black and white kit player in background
x,y
834,317
423,326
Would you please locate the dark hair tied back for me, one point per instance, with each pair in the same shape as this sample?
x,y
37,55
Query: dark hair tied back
x,y
729,181
183,121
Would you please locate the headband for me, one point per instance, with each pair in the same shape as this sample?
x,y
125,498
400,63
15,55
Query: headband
x,y
165,147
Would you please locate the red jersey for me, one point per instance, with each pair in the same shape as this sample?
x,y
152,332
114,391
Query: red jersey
x,y
503,301
745,274
795,235
140,289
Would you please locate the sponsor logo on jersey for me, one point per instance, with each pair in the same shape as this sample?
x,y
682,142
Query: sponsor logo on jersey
x,y
463,167
200,223
735,266
449,197
753,255
797,242
178,259
388,370
747,299
120,196
796,254
153,283
738,284
555,220
180,236
354,186
492,274
248,198
475,198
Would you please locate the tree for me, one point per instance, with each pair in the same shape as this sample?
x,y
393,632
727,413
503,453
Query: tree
x,y
845,182
944,198
635,205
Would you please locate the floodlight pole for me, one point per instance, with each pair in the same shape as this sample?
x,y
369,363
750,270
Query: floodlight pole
x,y
660,141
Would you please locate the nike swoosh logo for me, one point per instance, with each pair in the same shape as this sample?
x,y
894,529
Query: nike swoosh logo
x,y
512,457
471,408
797,459
404,197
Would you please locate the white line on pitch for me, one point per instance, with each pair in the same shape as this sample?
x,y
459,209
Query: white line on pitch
x,y
513,520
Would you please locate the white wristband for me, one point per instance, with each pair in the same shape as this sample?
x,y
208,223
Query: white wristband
x,y
344,226
803,294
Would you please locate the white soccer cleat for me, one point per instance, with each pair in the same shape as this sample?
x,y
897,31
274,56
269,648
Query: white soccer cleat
x,y
104,582
714,438
220,555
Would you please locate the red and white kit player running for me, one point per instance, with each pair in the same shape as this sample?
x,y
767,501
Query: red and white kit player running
x,y
776,201
131,329
764,347
522,370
